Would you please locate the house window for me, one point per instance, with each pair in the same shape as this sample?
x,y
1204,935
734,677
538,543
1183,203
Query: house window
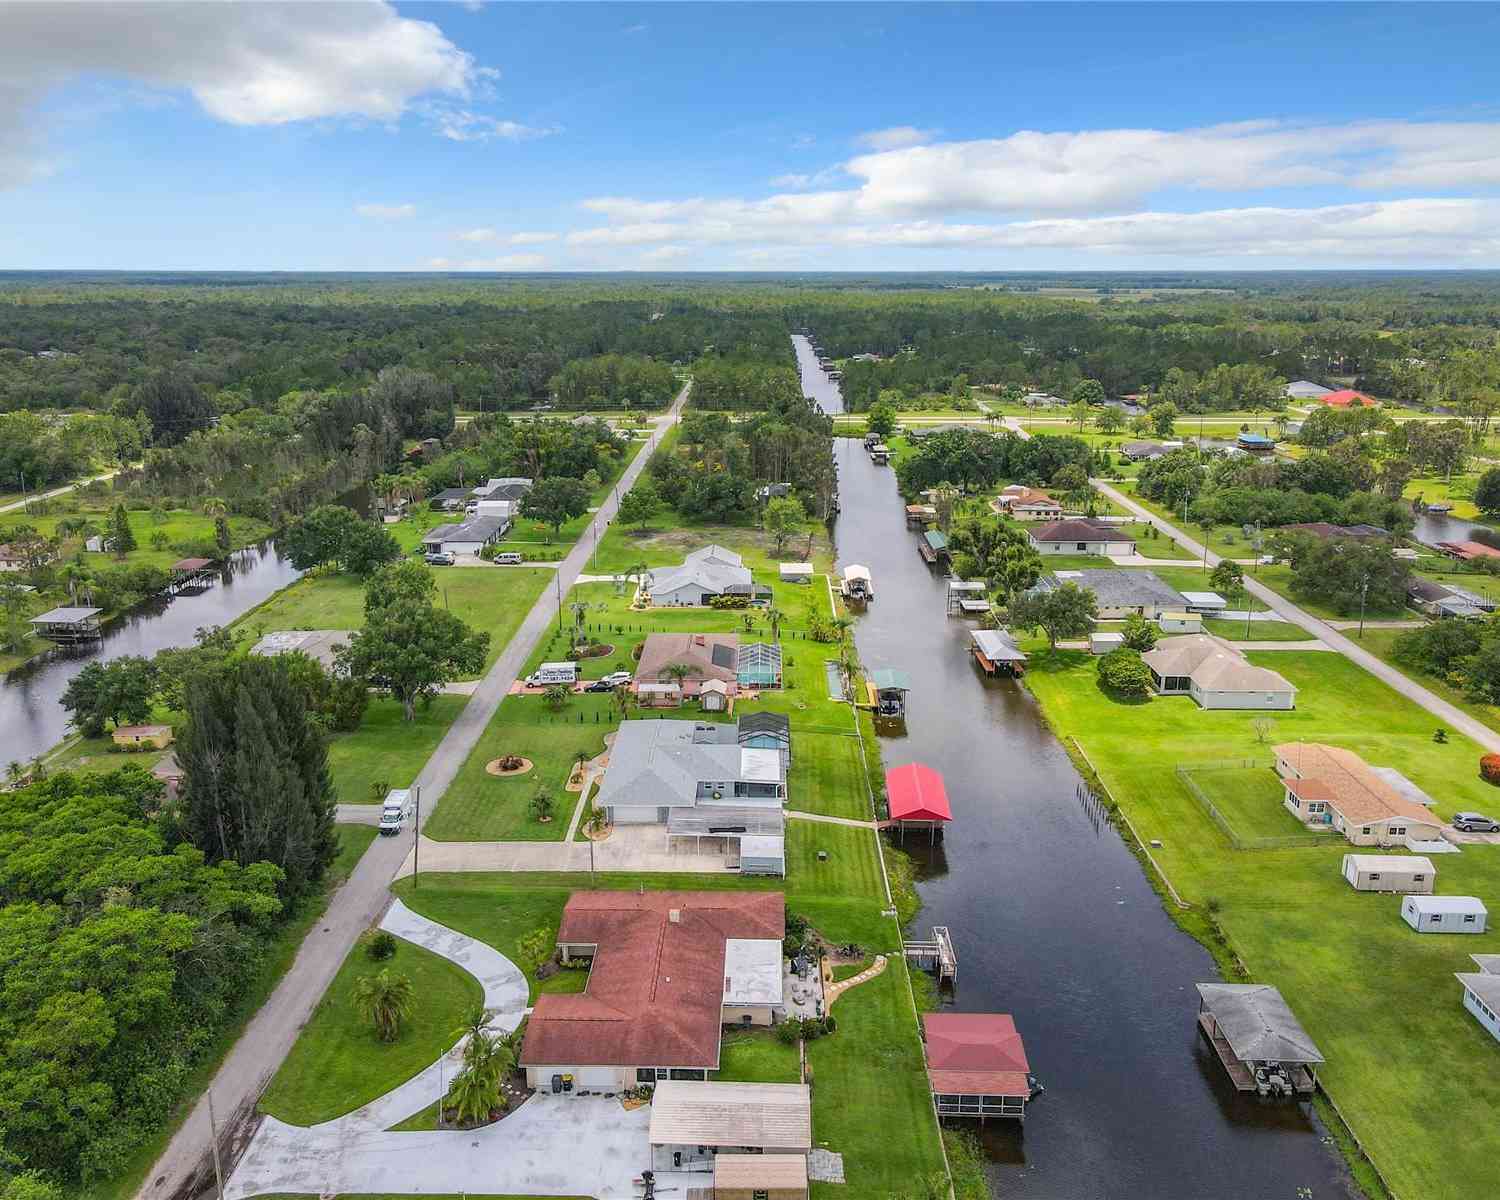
x,y
1398,830
1468,918
1374,875
645,1074
1435,919
1083,546
760,1194
1366,830
1418,878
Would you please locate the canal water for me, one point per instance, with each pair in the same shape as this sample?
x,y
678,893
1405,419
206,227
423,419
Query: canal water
x,y
1054,922
31,718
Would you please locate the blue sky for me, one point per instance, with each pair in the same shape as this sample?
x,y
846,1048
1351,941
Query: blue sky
x,y
371,136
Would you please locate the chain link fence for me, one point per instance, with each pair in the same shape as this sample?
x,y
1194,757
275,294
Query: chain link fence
x,y
1291,841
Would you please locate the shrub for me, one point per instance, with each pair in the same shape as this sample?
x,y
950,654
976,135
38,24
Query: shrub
x,y
1123,672
1489,769
380,945
789,1032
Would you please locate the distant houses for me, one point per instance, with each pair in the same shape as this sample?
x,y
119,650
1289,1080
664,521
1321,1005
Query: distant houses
x,y
1305,389
1347,398
1080,536
1481,996
1370,806
1215,675
1446,600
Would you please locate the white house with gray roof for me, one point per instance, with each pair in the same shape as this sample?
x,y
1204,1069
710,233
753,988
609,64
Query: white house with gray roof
x,y
707,572
1119,593
1215,674
697,780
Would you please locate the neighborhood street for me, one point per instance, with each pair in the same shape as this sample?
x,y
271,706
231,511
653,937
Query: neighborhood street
x,y
269,1036
58,491
1324,631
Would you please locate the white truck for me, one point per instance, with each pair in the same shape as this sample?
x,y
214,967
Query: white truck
x,y
394,811
554,672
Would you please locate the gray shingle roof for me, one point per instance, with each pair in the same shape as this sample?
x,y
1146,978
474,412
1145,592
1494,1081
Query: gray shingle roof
x,y
660,763
1119,589
1257,1023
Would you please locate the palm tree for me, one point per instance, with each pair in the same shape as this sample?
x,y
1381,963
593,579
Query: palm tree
x,y
774,618
385,1000
677,672
579,609
476,1090
213,506
475,1024
638,571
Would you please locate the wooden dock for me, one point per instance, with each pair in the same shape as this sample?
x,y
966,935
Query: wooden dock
x,y
936,955
1241,1075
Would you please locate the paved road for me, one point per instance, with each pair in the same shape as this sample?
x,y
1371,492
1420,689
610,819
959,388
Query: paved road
x,y
67,487
1324,631
355,906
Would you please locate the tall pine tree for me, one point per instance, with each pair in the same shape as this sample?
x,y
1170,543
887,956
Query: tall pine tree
x,y
121,536
256,786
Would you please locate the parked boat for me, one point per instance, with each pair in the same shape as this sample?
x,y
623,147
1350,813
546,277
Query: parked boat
x,y
857,586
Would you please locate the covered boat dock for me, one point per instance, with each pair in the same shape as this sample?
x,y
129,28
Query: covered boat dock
x,y
933,546
996,652
69,626
966,597
888,688
1260,1043
857,584
917,799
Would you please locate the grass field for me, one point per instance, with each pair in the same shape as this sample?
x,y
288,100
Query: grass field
x,y
178,527
1381,643
354,840
668,537
1380,1000
1258,631
757,1056
337,1062
495,599
385,748
1250,799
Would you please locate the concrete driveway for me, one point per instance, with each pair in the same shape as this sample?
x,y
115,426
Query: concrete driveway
x,y
638,848
550,1146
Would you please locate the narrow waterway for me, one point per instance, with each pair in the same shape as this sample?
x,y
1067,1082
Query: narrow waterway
x,y
815,381
1432,528
1055,922
31,718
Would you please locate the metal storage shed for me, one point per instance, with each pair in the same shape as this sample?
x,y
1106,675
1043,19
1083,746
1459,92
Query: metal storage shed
x,y
796,572
1444,914
1411,873
762,854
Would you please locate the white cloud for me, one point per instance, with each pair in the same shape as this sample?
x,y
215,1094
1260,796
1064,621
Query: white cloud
x,y
465,125
506,262
477,235
663,255
898,137
523,238
386,212
801,182
531,238
245,64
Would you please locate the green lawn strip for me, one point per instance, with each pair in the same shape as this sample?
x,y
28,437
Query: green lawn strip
x,y
1379,999
1381,643
757,1056
1250,799
387,748
180,526
337,1062
870,1092
353,841
1256,631
1226,540
479,806
827,776
496,599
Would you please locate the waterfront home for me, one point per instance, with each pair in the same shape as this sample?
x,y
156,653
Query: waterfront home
x,y
695,779
668,971
1446,600
1027,503
1410,874
1079,535
142,737
1215,675
1260,1043
1143,451
696,1127
1371,806
704,574
1482,991
1118,593
976,1065
1347,397
1444,914
1467,551
701,657
449,499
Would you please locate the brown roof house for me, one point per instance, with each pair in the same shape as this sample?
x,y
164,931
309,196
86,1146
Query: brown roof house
x,y
1328,786
706,655
669,970
1080,536
1027,503
1215,674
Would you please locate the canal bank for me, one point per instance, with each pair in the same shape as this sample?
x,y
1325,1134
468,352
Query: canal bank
x,y
1055,922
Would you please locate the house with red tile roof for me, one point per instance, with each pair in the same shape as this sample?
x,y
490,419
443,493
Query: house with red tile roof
x,y
667,971
1347,397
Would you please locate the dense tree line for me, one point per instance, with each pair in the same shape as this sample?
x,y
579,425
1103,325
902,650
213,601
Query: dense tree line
x,y
724,384
499,445
623,381
969,459
38,450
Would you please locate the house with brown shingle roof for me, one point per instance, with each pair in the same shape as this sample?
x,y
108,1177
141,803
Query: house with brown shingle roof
x,y
705,655
1215,674
1371,806
1028,503
668,970
1076,535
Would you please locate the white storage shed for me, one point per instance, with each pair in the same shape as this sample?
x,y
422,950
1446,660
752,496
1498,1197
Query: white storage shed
x,y
1103,643
1180,622
1408,873
762,854
1444,914
796,572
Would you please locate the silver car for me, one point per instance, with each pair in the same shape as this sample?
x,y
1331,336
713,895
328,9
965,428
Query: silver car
x,y
1473,822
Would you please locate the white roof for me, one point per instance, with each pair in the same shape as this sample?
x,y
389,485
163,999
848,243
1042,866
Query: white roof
x,y
397,796
796,568
1404,786
689,1113
567,665
752,970
67,614
1447,904
1391,862
762,845
1205,598
1108,637
760,766
856,571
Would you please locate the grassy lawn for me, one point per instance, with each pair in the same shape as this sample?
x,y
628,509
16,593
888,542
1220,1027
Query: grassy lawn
x,y
496,599
179,527
1381,643
668,537
407,1195
338,1064
1250,799
870,1092
354,840
1458,492
828,776
757,1056
386,748
1258,631
1379,999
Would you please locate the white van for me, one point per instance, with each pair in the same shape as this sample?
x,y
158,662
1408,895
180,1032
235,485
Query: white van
x,y
509,559
554,672
394,811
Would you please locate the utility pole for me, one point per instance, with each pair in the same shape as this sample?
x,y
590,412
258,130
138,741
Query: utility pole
x,y
1364,590
213,1134
596,545
416,837
558,578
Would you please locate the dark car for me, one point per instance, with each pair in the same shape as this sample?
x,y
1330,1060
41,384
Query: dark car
x,y
599,685
1473,822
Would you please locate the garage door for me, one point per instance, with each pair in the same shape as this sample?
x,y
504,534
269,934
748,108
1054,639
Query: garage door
x,y
597,1077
